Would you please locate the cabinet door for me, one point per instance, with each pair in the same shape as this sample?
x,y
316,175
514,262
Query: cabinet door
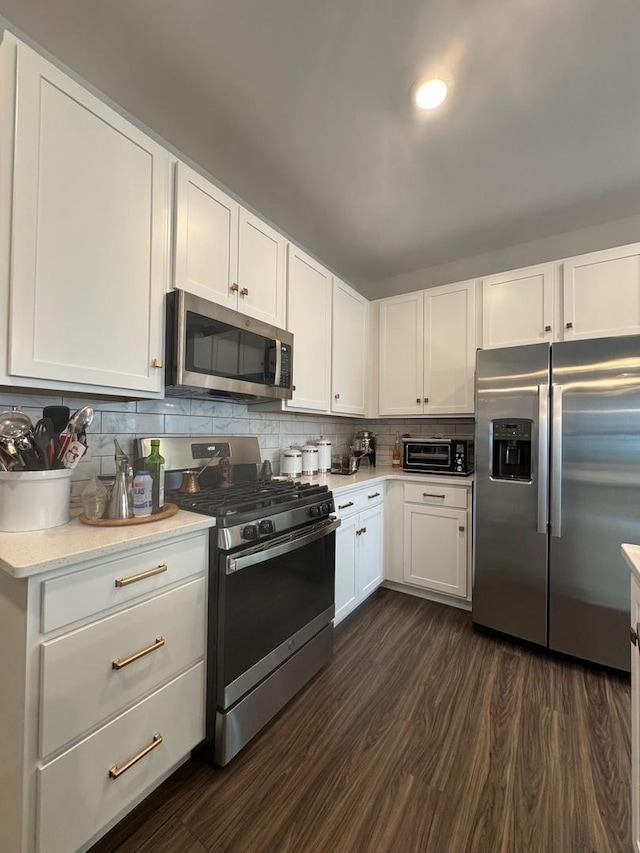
x,y
349,350
517,307
370,550
601,294
635,716
435,548
346,589
309,319
449,349
401,355
261,270
89,238
206,239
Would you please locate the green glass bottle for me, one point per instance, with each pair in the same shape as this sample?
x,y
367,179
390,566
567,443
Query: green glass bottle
x,y
154,464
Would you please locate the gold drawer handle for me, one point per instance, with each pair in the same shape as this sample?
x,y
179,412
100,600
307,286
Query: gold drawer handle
x,y
142,576
120,664
344,506
116,771
244,291
430,495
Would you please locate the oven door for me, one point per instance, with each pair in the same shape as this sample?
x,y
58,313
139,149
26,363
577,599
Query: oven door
x,y
428,456
271,602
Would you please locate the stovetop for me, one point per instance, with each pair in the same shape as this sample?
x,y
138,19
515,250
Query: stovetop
x,y
255,512
246,498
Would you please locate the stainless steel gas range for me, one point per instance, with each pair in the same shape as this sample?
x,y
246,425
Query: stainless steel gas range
x,y
271,584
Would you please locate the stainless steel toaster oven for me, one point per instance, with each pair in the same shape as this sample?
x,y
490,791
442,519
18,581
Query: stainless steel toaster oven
x,y
452,456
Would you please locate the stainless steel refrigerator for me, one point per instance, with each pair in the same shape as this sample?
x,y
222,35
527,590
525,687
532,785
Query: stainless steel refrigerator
x,y
557,491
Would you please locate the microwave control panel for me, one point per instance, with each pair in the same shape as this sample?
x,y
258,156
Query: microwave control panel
x,y
285,366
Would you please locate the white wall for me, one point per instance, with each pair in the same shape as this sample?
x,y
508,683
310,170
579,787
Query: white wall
x,y
616,233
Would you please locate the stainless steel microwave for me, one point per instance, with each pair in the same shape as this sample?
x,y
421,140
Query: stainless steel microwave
x,y
438,455
214,352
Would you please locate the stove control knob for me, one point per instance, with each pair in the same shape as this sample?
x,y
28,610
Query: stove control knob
x,y
314,511
266,526
326,509
250,532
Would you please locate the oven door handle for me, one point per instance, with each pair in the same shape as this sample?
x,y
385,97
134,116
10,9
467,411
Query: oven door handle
x,y
236,563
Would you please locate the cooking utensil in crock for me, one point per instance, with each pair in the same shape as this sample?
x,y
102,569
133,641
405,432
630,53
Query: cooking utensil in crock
x,y
59,416
79,421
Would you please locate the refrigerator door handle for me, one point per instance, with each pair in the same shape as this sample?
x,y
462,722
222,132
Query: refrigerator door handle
x,y
556,463
543,458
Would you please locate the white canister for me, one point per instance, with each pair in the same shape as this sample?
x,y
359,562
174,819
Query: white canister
x,y
291,462
34,500
324,454
309,459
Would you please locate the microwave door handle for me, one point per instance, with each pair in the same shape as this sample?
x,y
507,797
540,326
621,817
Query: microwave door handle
x,y
278,374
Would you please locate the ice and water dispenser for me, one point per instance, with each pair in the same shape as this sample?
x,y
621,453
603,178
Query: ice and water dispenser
x,y
511,449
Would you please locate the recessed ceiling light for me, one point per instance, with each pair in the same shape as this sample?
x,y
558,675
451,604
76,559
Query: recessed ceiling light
x,y
430,94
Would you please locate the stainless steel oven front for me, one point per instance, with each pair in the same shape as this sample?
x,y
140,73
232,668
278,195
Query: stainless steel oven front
x,y
272,606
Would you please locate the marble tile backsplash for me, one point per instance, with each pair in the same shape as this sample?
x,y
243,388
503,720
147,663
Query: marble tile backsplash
x,y
127,421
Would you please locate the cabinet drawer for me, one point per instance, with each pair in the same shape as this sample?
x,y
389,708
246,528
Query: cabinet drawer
x,y
77,796
80,686
79,595
434,494
350,502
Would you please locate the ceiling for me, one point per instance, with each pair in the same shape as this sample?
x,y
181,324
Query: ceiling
x,y
302,109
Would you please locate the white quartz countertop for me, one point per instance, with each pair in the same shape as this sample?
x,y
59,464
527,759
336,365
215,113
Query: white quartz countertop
x,y
24,554
368,475
632,556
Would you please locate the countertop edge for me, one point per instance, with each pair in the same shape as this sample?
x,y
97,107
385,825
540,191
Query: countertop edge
x,y
631,553
343,482
91,543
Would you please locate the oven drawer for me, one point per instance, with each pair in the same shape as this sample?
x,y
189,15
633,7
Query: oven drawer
x,y
80,686
81,594
436,495
350,502
76,794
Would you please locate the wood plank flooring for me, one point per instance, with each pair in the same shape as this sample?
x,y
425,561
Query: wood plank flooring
x,y
421,735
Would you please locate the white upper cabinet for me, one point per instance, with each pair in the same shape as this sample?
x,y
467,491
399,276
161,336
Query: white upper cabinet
x,y
427,351
226,254
262,254
349,350
601,294
449,349
401,355
517,307
309,319
206,239
88,236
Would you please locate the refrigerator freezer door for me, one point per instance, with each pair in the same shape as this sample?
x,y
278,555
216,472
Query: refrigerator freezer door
x,y
510,574
600,497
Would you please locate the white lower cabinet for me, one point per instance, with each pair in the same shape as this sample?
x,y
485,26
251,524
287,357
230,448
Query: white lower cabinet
x,y
359,547
428,537
635,716
436,538
105,696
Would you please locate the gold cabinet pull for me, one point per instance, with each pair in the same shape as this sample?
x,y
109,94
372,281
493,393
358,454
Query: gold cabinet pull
x,y
374,495
568,325
461,529
418,400
244,291
234,287
157,362
547,328
344,506
118,663
430,495
142,575
115,771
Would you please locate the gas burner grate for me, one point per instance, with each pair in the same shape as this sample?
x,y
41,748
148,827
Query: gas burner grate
x,y
244,498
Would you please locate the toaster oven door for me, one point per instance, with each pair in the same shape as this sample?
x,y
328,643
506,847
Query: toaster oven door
x,y
428,456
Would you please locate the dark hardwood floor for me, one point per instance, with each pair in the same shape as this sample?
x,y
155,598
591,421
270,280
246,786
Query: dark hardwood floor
x,y
421,735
